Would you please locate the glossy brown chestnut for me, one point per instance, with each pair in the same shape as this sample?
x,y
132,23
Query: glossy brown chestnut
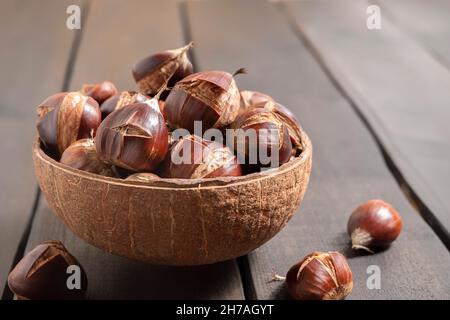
x,y
99,91
270,133
66,117
162,69
43,274
320,276
125,98
252,99
143,177
193,158
134,138
374,225
82,155
211,97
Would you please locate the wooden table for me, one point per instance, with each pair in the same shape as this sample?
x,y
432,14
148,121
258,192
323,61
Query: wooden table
x,y
376,104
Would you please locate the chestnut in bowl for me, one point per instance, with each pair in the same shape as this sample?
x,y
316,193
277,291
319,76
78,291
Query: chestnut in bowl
x,y
175,221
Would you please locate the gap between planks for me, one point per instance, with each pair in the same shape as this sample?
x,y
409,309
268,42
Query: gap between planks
x,y
405,187
7,294
389,13
242,262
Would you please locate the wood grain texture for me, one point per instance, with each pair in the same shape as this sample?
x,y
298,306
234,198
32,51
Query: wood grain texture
x,y
37,47
18,188
347,168
35,51
425,21
117,34
398,86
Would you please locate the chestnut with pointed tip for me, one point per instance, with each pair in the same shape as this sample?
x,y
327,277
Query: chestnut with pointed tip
x,y
43,274
134,138
258,131
192,157
125,98
66,117
162,69
100,91
255,99
82,155
320,276
211,97
374,225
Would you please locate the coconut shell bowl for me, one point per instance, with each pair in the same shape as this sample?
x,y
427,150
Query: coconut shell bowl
x,y
175,221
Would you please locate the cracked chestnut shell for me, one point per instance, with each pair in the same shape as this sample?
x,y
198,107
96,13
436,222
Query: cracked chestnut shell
x,y
42,274
255,99
374,225
211,97
133,138
66,117
320,276
268,130
99,91
250,98
118,101
82,155
192,157
162,69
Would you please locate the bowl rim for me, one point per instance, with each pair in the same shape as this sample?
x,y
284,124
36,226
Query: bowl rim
x,y
171,183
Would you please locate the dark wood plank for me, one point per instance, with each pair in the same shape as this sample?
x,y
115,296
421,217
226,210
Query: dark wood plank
x,y
116,35
399,87
18,188
38,46
35,51
426,21
347,167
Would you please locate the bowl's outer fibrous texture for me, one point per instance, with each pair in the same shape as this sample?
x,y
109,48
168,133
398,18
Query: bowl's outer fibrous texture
x,y
175,222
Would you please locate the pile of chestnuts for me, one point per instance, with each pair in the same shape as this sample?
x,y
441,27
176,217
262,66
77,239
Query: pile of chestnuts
x,y
113,133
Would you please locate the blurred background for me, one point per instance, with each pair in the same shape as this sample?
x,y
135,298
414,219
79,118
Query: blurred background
x,y
368,80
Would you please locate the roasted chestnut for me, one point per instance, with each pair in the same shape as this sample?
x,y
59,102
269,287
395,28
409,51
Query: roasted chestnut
x,y
134,138
48,272
65,118
125,98
193,157
82,155
320,276
99,91
162,69
255,99
211,97
260,138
